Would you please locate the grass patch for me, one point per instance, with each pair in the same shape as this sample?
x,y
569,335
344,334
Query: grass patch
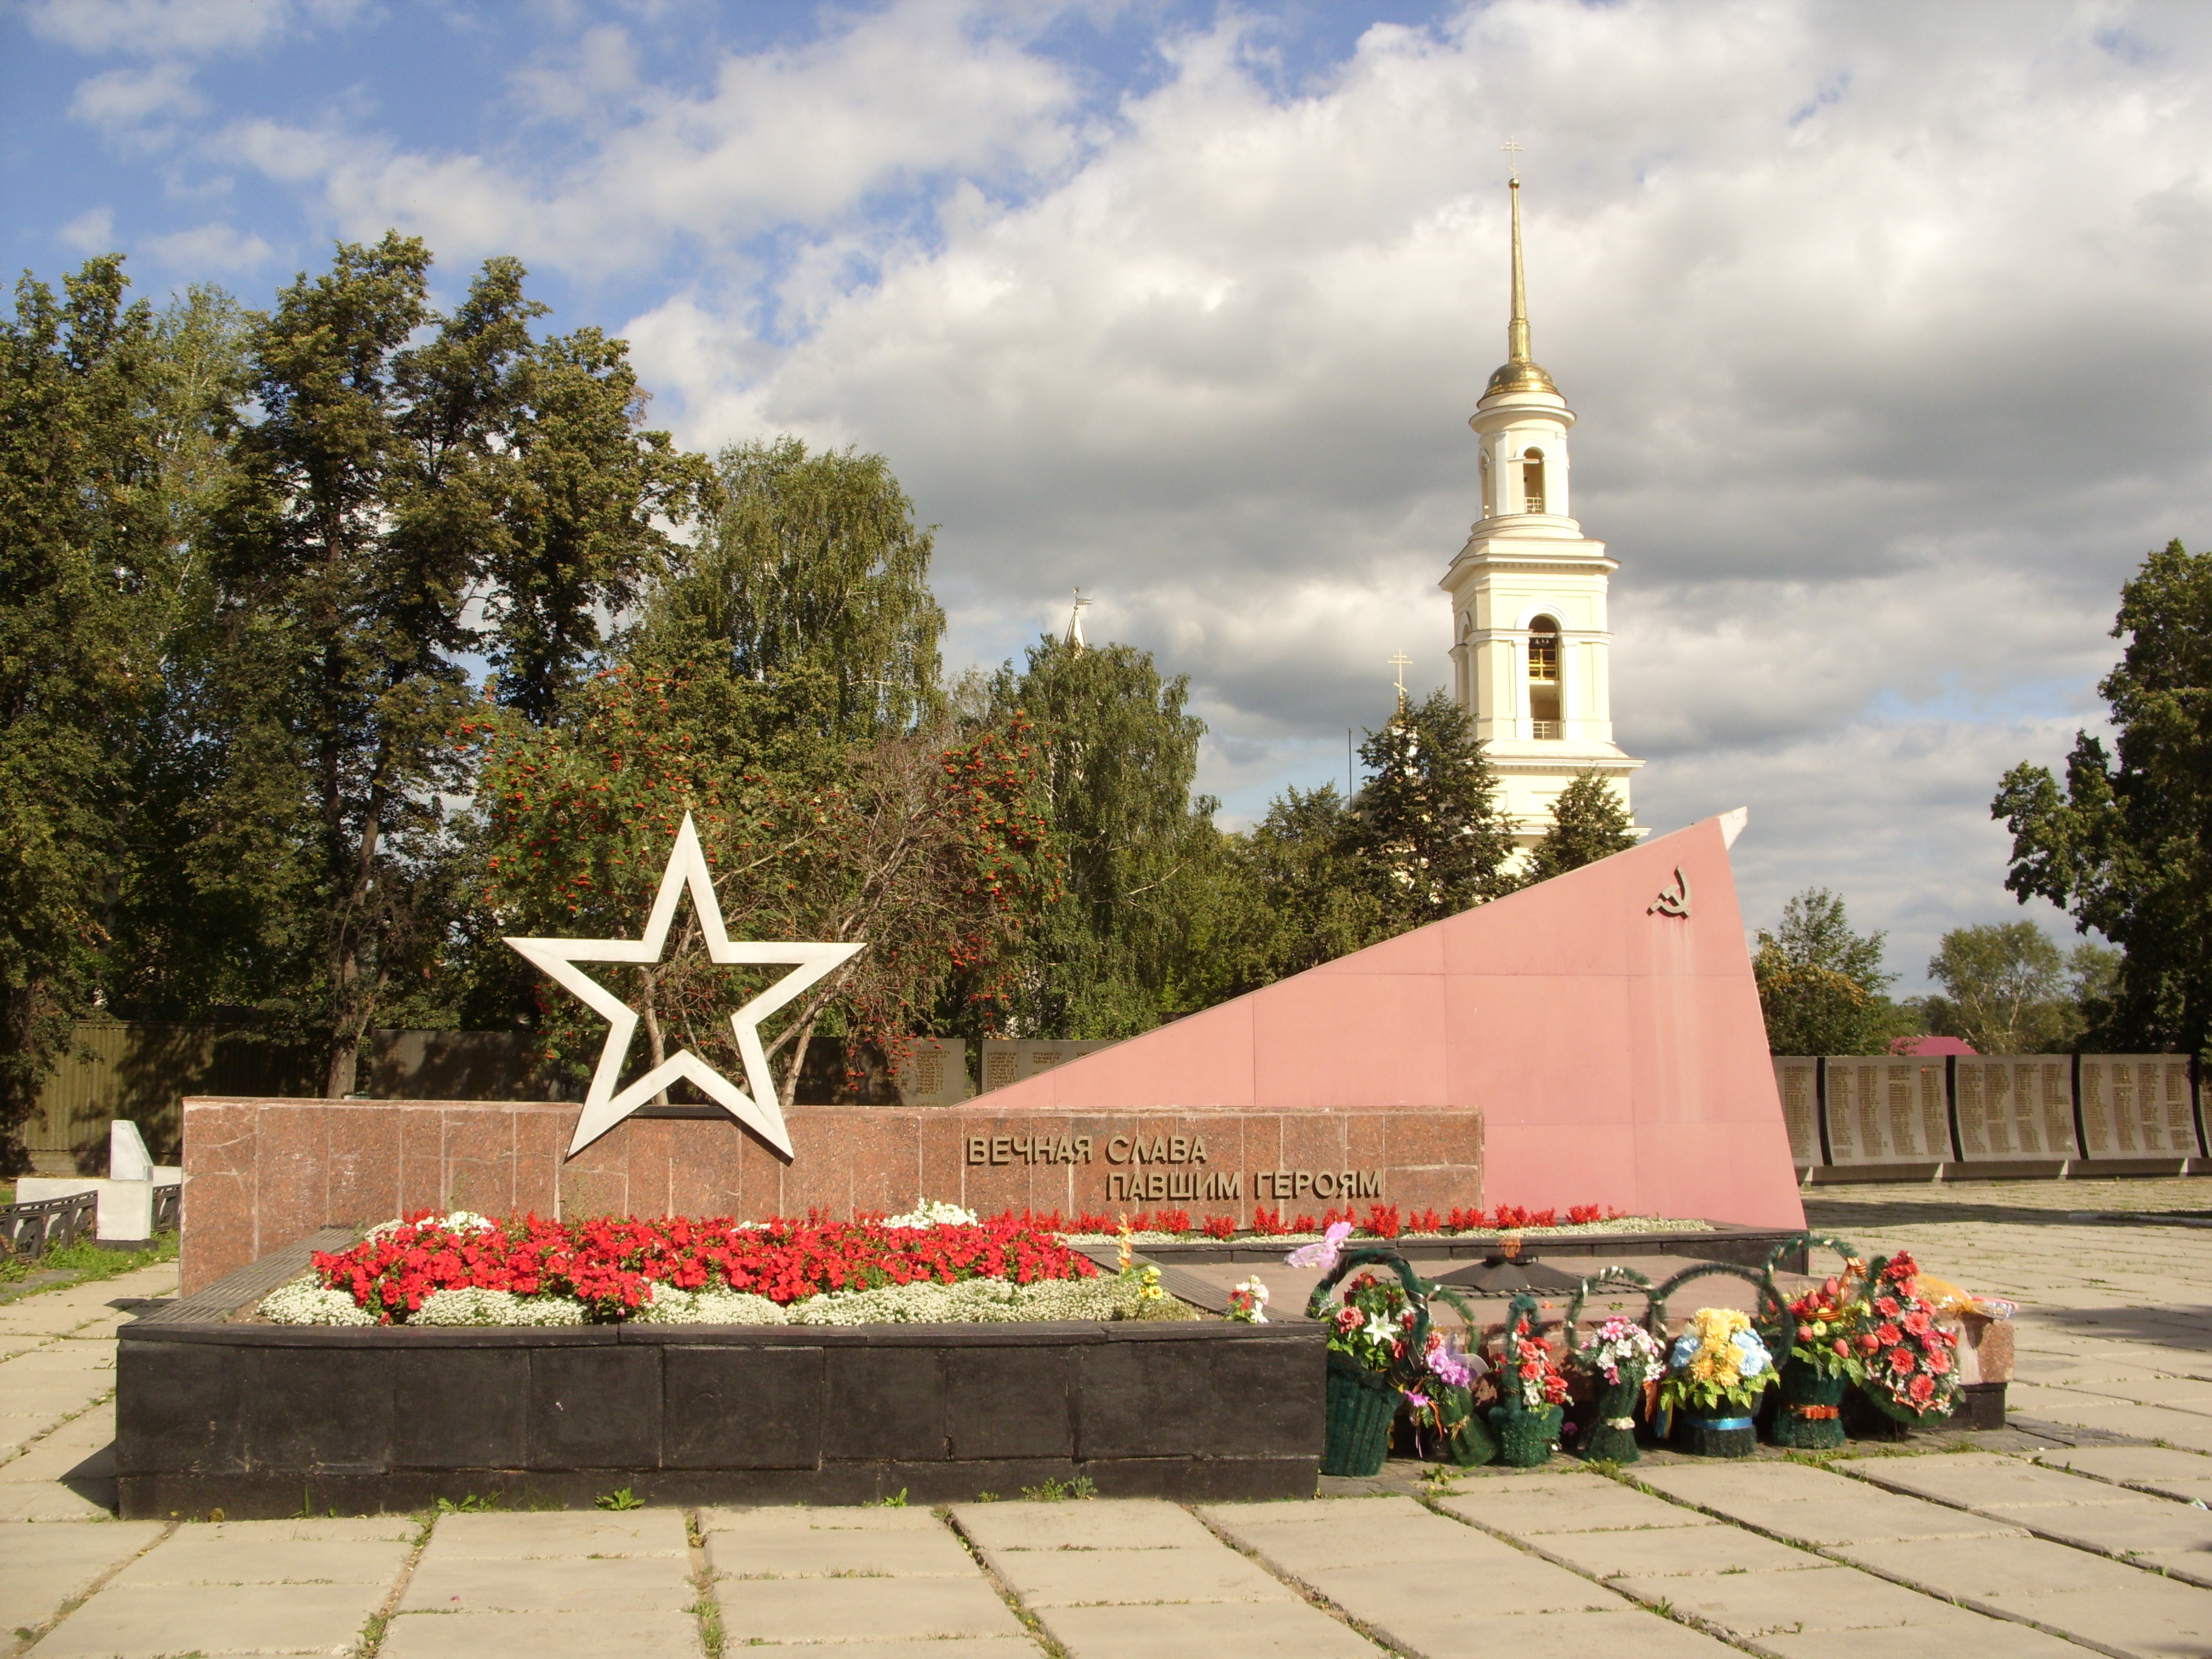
x,y
621,1497
1059,1491
84,1262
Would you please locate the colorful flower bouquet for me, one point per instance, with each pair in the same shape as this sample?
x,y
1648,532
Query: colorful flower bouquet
x,y
1715,1375
525,1270
1377,1347
1823,1361
1248,1302
1442,1401
1618,1362
1912,1371
1532,1393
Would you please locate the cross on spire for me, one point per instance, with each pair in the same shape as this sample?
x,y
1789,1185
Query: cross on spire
x,y
1075,622
1399,660
1514,148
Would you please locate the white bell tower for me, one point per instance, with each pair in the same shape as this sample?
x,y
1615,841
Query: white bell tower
x,y
1531,644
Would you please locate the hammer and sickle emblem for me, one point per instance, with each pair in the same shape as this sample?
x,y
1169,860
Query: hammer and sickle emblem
x,y
1672,900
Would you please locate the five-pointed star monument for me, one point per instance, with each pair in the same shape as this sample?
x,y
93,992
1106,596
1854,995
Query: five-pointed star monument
x,y
759,1111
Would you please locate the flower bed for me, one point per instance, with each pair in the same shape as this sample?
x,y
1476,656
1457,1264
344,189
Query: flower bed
x,y
464,1269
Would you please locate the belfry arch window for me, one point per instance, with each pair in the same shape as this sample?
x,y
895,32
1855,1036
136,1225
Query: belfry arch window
x,y
1532,481
1544,679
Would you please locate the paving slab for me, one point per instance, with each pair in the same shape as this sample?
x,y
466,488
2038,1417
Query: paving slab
x,y
2164,1470
1243,1630
84,1448
1808,1505
595,1584
1097,1523
802,1552
1411,1599
213,1620
2068,1590
1671,1552
1549,1503
42,1500
1983,1481
41,1567
303,1552
546,1636
777,1520
565,1533
1748,1605
778,1610
1067,1579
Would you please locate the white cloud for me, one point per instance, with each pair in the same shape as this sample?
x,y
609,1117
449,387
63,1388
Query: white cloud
x,y
91,231
805,134
212,247
152,28
126,97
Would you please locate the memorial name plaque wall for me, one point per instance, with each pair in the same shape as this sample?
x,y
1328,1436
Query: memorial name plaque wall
x,y
934,1072
1885,1110
2016,1107
1797,1080
2055,1109
1007,1060
261,1174
2137,1106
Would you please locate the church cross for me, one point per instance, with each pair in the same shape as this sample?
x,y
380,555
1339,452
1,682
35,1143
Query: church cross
x,y
1514,148
1399,660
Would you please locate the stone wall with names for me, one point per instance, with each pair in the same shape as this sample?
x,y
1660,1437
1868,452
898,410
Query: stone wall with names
x,y
1797,1081
2137,1106
2015,1107
1888,1109
1009,1061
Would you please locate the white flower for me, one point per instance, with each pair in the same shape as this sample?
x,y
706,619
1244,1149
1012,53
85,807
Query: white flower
x,y
934,1214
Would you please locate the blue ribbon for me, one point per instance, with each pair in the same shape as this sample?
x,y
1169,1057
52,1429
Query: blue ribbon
x,y
1721,1422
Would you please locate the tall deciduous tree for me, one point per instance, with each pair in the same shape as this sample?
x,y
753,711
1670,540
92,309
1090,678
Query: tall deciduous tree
x,y
2009,990
83,565
2126,845
1820,984
1589,823
813,561
1426,825
1117,954
409,476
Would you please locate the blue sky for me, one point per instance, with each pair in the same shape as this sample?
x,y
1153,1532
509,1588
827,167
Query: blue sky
x,y
1886,324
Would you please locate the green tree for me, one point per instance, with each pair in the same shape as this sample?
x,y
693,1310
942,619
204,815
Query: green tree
x,y
2009,990
1589,823
404,465
1425,827
813,560
84,559
2124,847
1310,902
1119,952
1821,985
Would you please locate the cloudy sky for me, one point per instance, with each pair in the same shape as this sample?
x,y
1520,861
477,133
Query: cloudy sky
x,y
1887,325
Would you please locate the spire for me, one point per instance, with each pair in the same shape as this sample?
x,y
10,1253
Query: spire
x,y
1075,623
1519,372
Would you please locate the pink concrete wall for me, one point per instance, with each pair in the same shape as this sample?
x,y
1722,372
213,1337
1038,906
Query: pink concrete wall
x,y
1618,1056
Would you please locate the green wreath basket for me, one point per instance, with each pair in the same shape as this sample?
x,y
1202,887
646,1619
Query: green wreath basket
x,y
1527,1436
1361,1404
1808,1407
1468,1442
1728,1430
1610,1434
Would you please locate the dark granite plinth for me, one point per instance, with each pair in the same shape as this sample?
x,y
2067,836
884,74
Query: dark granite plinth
x,y
266,1420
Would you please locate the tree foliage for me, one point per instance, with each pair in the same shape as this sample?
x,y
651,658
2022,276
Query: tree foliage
x,y
84,564
1425,827
1820,984
815,562
2125,845
2009,990
1589,823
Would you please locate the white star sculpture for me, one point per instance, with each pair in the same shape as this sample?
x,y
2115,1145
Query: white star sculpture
x,y
759,1111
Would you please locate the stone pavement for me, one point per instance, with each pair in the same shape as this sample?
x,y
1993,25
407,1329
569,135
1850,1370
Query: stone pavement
x,y
2084,1528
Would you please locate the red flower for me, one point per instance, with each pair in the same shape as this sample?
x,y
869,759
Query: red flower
x,y
1922,1389
1901,1360
1887,1336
